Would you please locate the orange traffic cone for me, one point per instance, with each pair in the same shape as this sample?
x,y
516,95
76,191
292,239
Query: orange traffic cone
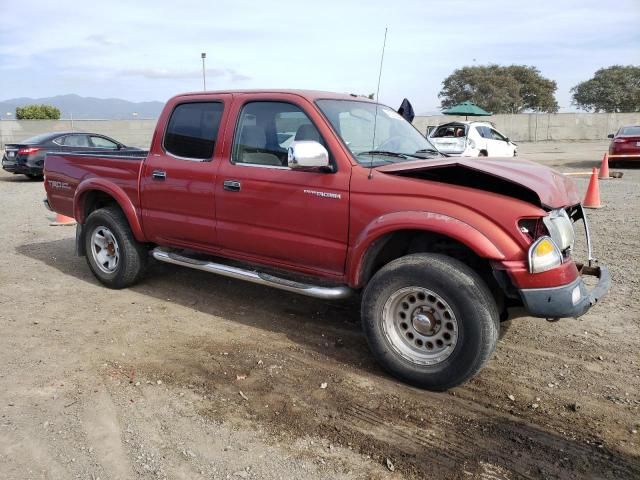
x,y
62,220
604,168
592,198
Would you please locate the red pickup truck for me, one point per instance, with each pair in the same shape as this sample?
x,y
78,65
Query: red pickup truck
x,y
328,195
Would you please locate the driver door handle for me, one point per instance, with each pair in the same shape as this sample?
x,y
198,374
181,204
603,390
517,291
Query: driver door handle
x,y
231,185
159,175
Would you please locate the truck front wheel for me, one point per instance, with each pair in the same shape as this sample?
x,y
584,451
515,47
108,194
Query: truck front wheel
x,y
430,320
113,254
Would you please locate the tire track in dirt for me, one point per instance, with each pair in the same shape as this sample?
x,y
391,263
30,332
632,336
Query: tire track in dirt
x,y
102,427
442,434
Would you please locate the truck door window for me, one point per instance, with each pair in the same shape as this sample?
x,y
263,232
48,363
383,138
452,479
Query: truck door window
x,y
265,131
193,129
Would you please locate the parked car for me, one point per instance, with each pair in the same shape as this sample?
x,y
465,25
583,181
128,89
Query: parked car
x,y
625,145
440,249
472,139
27,157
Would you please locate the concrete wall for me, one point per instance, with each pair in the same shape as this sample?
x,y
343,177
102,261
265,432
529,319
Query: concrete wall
x,y
539,127
136,133
522,127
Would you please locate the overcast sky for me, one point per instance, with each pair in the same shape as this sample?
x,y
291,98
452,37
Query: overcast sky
x,y
150,50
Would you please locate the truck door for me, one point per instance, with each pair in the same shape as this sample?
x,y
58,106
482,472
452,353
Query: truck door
x,y
272,214
177,181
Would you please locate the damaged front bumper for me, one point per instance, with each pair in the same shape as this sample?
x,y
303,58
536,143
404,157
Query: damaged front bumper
x,y
572,300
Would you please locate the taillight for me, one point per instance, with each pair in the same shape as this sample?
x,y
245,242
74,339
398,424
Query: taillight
x,y
28,150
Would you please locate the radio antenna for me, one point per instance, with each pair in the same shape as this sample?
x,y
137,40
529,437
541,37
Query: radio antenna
x,y
375,117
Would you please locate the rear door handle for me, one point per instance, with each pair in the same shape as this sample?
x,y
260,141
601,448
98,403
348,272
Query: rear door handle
x,y
231,185
159,175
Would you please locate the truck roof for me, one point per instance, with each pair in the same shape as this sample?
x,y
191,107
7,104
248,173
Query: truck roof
x,y
309,94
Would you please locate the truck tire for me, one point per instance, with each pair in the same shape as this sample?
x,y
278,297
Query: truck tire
x,y
430,320
113,254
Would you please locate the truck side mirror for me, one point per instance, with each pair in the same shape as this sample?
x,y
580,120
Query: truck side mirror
x,y
610,135
307,154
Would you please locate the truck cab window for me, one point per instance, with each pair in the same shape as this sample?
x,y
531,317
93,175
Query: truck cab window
x,y
265,131
193,129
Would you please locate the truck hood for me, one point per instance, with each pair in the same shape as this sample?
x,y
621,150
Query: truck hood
x,y
513,177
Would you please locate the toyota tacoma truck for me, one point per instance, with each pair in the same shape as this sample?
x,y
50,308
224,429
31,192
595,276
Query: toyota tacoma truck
x,y
329,195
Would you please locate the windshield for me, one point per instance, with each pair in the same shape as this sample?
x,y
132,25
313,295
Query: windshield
x,y
395,139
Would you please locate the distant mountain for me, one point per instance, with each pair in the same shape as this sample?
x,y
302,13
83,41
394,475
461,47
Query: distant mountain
x,y
88,107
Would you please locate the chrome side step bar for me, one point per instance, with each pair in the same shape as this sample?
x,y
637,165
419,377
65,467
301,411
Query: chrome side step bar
x,y
327,293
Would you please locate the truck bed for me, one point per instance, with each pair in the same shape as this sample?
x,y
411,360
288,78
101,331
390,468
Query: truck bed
x,y
65,172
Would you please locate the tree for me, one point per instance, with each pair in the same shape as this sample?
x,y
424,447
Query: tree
x,y
498,89
612,89
37,112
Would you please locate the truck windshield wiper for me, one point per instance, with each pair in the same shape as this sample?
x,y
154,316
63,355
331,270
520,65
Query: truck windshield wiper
x,y
427,150
385,153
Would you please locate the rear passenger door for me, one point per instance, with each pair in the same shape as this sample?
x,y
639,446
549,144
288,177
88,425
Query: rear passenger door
x,y
177,181
269,213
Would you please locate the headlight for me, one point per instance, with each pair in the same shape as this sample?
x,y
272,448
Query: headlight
x,y
544,255
560,229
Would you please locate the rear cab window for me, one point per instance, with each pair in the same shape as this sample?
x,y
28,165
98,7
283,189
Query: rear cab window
x,y
192,130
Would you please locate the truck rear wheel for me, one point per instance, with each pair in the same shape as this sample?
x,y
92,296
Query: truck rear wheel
x,y
113,254
430,320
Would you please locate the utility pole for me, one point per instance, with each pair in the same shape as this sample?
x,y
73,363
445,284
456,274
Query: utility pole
x,y
203,55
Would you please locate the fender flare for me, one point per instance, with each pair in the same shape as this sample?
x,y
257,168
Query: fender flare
x,y
432,222
115,192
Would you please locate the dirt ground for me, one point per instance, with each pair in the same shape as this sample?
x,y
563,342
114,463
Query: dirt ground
x,y
189,375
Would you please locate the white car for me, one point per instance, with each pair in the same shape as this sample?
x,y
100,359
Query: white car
x,y
472,139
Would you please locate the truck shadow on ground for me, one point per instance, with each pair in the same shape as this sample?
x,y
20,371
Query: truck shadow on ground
x,y
425,433
331,328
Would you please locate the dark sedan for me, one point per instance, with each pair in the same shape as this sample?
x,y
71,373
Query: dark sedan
x,y
27,157
625,145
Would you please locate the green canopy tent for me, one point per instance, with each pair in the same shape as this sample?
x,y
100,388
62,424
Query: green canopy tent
x,y
468,109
